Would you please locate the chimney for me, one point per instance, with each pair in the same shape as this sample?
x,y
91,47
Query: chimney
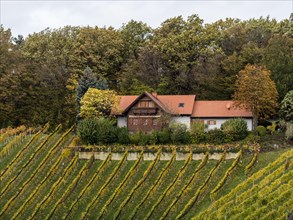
x,y
155,94
228,106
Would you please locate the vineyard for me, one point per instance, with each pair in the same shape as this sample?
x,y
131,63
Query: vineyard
x,y
41,178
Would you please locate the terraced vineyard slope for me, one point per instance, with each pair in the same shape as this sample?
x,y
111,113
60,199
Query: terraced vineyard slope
x,y
41,178
267,194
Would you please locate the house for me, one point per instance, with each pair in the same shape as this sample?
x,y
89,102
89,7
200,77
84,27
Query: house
x,y
150,111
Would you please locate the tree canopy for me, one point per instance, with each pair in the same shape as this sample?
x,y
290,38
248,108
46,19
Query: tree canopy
x,y
256,91
98,103
39,74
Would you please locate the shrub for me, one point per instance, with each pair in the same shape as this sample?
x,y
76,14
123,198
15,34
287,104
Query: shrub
x,y
97,131
289,131
261,130
286,111
235,129
215,136
164,136
123,136
87,130
251,138
197,127
154,137
272,128
197,132
179,133
139,138
107,132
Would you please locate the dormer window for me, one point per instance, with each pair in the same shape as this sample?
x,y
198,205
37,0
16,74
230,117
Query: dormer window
x,y
181,105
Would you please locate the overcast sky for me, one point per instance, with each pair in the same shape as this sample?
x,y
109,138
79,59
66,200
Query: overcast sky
x,y
25,17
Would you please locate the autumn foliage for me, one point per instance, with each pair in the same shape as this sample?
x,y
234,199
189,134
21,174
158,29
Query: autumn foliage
x,y
98,103
256,92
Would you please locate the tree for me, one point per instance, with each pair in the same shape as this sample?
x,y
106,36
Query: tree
x,y
278,58
286,111
98,103
89,80
256,92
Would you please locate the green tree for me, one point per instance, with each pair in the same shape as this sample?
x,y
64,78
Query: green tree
x,y
89,80
98,103
278,58
286,110
256,92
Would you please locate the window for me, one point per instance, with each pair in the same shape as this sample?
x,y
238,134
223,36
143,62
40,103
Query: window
x,y
146,104
135,121
211,122
181,105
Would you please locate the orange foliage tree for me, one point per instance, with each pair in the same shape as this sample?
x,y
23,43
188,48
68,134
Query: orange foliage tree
x,y
256,92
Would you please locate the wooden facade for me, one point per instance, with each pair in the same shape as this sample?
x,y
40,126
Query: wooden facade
x,y
144,116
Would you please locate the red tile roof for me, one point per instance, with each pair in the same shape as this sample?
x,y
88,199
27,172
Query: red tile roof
x,y
169,102
191,106
218,109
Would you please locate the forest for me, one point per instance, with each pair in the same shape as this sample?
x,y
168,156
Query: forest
x,y
39,74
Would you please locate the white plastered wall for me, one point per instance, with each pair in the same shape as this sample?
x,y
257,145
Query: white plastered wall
x,y
182,119
220,121
121,121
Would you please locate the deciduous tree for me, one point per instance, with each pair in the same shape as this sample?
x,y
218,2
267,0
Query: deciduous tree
x,y
256,92
98,103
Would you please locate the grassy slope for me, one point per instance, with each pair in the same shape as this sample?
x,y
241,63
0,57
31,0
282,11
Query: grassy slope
x,y
83,171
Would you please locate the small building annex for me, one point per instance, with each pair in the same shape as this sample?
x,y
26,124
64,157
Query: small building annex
x,y
149,111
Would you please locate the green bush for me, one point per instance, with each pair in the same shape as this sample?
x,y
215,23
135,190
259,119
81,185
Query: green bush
x,y
97,131
123,136
154,137
139,138
179,133
251,138
272,128
198,138
289,131
215,136
261,130
164,136
197,132
107,132
235,129
87,130
197,127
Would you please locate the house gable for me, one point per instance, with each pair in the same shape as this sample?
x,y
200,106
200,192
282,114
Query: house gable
x,y
145,98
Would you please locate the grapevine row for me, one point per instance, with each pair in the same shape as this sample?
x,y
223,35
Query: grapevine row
x,y
138,184
193,200
227,174
225,199
169,188
153,186
252,162
228,199
53,168
105,162
113,174
6,149
10,132
33,138
268,192
181,192
23,167
70,188
68,169
34,173
120,187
